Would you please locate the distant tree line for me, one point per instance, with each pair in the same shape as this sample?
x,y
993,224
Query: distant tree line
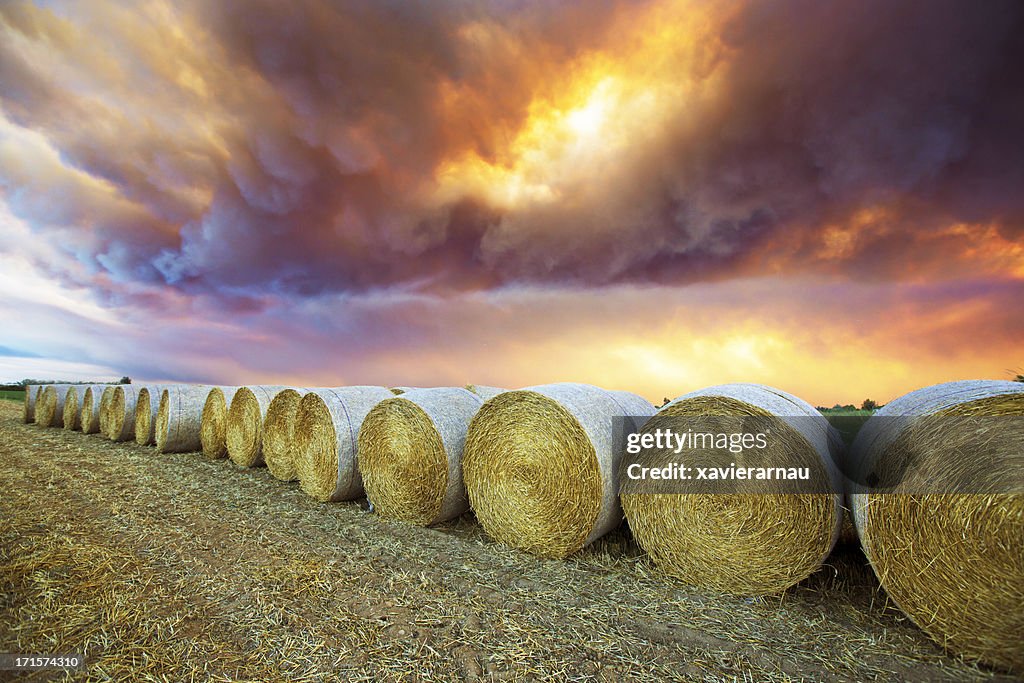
x,y
18,386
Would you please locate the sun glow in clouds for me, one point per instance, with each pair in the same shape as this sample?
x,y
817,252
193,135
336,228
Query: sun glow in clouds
x,y
584,124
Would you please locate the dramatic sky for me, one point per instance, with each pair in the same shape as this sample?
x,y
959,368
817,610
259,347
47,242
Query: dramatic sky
x,y
655,196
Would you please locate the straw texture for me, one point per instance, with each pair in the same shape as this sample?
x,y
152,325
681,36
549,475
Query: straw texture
x,y
746,543
31,395
72,413
245,423
326,440
89,417
49,408
541,467
120,422
410,454
279,433
214,422
104,410
179,418
953,562
146,406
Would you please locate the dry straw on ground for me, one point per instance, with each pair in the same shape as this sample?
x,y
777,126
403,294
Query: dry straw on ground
x,y
541,467
179,418
214,422
146,406
49,408
279,433
31,396
244,434
761,540
410,454
326,440
120,422
953,562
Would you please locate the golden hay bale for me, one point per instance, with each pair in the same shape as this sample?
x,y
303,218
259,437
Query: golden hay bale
x,y
944,537
279,433
31,396
179,418
244,434
104,409
398,391
541,466
146,406
485,392
85,416
120,422
755,541
90,413
410,454
72,413
50,405
326,440
214,422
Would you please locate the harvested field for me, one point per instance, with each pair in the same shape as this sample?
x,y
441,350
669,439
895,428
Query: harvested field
x,y
199,570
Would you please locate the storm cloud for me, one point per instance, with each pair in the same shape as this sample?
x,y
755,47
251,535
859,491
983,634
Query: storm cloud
x,y
251,159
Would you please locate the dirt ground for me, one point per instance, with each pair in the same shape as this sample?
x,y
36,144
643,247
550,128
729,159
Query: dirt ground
x,y
171,567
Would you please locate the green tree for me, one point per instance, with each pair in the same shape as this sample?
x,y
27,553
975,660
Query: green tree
x,y
125,380
868,404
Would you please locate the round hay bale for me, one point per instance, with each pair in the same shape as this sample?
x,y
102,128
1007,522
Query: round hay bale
x,y
410,454
279,433
541,467
31,396
120,423
214,422
485,392
326,440
72,414
950,557
245,423
398,391
760,540
146,406
89,415
104,410
179,418
636,408
50,405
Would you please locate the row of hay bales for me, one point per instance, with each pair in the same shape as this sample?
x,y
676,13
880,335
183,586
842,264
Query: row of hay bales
x,y
540,470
